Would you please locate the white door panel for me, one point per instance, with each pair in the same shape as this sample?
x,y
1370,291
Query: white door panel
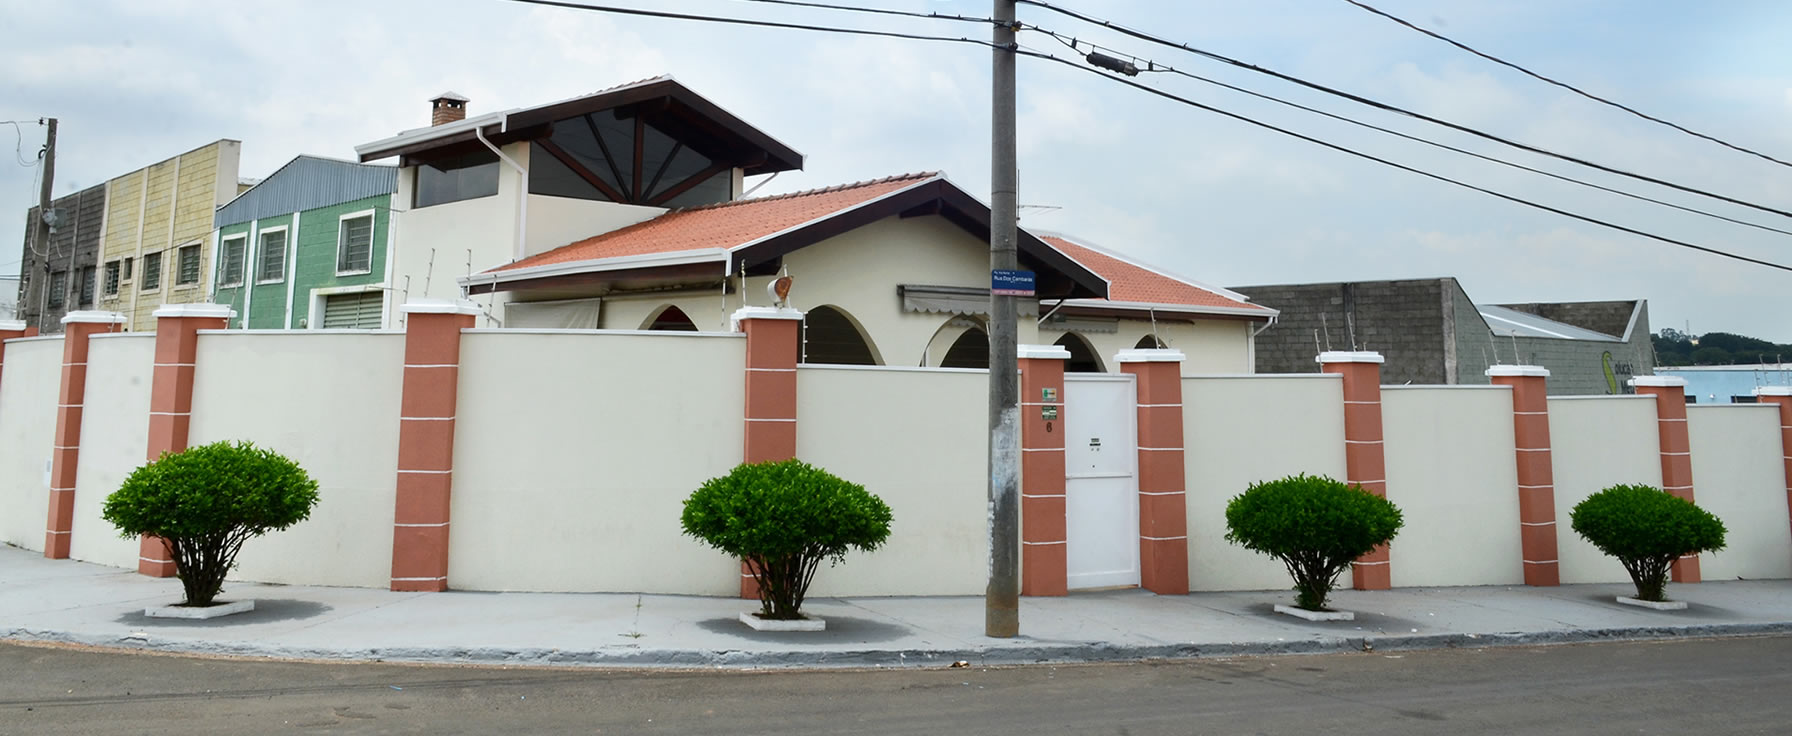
x,y
1101,486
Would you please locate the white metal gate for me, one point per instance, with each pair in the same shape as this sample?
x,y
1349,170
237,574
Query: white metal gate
x,y
1101,483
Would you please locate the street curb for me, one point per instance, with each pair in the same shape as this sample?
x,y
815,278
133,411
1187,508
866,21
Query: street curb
x,y
911,658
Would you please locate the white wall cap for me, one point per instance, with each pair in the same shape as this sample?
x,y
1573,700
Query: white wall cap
x,y
210,311
1344,356
1675,381
1149,355
12,325
1042,352
734,320
439,306
1760,390
94,317
1518,370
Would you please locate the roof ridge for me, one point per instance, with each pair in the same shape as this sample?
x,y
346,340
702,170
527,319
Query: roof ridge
x,y
915,176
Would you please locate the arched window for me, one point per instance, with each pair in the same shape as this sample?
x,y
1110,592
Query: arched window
x,y
670,319
1083,356
971,350
1150,341
831,336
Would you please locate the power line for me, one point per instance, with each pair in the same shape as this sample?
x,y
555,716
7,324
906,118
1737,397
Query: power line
x,y
1564,85
1391,108
748,22
1152,66
1403,167
876,11
18,146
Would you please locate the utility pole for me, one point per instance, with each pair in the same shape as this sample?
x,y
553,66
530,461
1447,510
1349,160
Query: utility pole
x,y
40,238
1002,596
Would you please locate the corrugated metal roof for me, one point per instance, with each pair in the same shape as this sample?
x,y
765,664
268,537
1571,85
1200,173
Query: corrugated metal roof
x,y
308,182
1512,322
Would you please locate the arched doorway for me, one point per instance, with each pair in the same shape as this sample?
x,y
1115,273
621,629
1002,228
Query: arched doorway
x,y
1150,342
971,350
670,319
831,336
1083,355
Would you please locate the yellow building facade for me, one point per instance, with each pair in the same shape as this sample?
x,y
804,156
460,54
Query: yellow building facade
x,y
158,245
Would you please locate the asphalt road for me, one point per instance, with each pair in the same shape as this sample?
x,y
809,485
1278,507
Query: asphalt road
x,y
1723,686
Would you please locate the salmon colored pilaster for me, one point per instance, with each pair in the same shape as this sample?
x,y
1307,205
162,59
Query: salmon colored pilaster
x,y
10,329
1043,562
1670,393
171,400
65,454
770,414
1163,517
1362,373
426,442
1782,397
1537,483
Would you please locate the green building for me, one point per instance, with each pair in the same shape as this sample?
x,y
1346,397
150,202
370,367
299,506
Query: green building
x,y
308,248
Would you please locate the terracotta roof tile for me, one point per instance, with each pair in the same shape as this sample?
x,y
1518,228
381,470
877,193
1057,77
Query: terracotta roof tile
x,y
1128,282
722,225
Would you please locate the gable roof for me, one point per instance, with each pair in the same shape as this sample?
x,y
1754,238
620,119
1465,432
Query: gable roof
x,y
662,94
745,233
1137,286
307,182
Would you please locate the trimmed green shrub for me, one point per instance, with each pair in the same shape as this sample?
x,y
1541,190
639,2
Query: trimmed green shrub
x,y
205,502
1315,525
784,519
1647,530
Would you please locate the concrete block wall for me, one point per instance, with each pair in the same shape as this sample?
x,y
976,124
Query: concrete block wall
x,y
1402,320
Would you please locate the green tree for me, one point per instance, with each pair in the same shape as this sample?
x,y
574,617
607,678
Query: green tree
x,y
205,502
1315,525
1647,530
784,519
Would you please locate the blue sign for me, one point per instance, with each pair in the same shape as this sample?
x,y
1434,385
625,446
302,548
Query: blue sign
x,y
1011,283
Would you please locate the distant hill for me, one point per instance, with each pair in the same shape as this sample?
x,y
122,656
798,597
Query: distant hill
x,y
1676,348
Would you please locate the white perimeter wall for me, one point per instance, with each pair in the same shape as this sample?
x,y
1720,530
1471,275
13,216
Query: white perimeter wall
x,y
329,401
1238,431
1451,470
114,441
1596,442
575,451
916,438
1737,478
29,382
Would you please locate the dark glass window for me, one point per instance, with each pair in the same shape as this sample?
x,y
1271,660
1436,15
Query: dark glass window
x,y
152,271
231,269
58,289
86,286
111,278
453,178
188,272
587,155
355,245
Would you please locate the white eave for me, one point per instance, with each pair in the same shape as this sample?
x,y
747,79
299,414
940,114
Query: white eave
x,y
619,263
1246,311
416,135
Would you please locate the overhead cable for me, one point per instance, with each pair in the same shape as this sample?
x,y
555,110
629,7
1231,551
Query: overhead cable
x,y
1565,85
1153,66
1391,108
749,22
1403,167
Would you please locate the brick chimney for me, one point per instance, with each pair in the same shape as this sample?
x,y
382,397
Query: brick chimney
x,y
447,108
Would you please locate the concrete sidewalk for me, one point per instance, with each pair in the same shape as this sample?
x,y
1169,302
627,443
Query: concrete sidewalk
x,y
64,601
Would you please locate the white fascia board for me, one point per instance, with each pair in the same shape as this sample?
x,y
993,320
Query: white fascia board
x,y
1530,371
1250,311
619,263
837,213
416,135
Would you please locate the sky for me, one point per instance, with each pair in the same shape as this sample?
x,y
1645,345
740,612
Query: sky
x,y
1197,194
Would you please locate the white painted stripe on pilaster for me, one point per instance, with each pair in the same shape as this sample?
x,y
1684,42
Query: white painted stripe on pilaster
x,y
1162,539
423,526
1042,544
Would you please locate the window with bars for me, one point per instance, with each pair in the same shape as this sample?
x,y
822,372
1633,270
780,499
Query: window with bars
x,y
230,267
58,289
112,278
152,271
85,288
125,272
188,272
271,259
355,245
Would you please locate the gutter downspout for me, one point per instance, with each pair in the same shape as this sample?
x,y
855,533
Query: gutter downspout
x,y
522,193
1251,344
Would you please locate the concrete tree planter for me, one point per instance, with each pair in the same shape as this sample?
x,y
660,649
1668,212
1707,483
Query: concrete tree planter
x,y
809,623
1653,605
1305,614
200,613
